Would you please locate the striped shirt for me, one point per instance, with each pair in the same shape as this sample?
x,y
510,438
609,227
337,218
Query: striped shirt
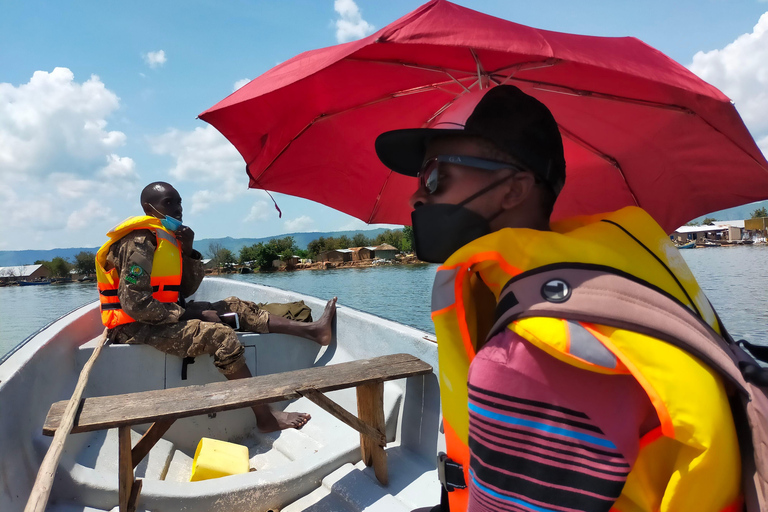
x,y
546,436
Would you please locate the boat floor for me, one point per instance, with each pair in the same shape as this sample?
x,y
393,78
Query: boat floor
x,y
316,468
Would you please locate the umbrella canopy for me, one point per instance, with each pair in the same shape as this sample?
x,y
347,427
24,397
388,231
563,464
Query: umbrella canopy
x,y
638,128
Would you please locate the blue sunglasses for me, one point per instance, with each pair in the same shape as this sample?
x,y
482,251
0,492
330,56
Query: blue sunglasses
x,y
429,175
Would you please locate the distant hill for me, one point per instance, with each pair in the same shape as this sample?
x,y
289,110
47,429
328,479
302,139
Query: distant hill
x,y
736,213
27,257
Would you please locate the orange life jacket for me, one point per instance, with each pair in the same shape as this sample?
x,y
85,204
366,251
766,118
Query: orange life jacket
x,y
165,276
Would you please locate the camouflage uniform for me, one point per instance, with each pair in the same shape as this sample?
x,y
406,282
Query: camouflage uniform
x,y
158,323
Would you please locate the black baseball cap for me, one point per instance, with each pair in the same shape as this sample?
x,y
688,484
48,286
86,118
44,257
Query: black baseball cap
x,y
516,123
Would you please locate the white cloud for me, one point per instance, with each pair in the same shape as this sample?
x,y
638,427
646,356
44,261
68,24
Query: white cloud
x,y
763,143
80,219
359,225
240,83
55,123
259,211
155,59
350,25
55,150
740,70
299,224
205,157
119,167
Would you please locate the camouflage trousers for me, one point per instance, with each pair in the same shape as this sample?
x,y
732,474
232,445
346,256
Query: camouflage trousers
x,y
191,338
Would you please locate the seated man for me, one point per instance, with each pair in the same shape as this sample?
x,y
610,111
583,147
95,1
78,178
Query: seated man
x,y
145,271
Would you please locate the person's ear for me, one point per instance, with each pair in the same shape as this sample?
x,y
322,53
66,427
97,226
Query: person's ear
x,y
148,209
519,187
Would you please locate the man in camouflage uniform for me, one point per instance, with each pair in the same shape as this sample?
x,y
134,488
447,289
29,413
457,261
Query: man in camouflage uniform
x,y
189,330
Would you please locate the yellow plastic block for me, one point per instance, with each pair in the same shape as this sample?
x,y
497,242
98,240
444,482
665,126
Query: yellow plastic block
x,y
214,458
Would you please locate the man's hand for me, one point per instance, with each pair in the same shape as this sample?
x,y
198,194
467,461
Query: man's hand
x,y
207,315
210,315
186,238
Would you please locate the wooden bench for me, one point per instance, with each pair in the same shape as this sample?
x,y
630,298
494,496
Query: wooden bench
x,y
163,407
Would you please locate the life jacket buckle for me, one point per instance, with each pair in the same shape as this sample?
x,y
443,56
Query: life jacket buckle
x,y
450,473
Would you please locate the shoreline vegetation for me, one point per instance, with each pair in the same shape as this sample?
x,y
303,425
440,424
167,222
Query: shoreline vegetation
x,y
402,259
392,247
274,255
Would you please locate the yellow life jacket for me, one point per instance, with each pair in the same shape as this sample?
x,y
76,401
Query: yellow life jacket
x,y
165,276
691,462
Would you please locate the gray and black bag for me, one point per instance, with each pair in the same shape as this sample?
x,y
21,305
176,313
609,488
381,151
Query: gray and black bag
x,y
605,296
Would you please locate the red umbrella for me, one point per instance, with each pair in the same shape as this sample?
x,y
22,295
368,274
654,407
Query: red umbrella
x,y
638,128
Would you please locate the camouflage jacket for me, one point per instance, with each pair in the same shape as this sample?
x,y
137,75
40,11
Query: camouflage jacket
x,y
138,248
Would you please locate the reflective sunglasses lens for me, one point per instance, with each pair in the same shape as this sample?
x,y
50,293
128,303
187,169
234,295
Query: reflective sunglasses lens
x,y
429,175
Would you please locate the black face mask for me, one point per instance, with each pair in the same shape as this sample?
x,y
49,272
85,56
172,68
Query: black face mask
x,y
441,229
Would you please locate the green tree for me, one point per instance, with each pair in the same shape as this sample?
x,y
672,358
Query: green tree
x,y
360,240
247,254
393,237
85,263
220,255
226,257
284,247
409,242
708,221
344,242
759,213
59,267
265,255
315,247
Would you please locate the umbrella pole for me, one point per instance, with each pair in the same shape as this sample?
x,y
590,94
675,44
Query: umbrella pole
x,y
41,490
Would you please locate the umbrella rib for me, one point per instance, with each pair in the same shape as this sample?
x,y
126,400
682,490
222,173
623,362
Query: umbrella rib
x,y
536,64
248,165
378,198
589,147
480,70
583,93
470,74
406,92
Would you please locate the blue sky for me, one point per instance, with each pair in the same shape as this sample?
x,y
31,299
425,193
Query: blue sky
x,y
99,98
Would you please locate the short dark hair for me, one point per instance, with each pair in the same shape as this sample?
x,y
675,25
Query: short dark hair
x,y
146,193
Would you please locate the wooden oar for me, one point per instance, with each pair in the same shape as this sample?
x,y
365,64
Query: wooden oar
x,y
38,499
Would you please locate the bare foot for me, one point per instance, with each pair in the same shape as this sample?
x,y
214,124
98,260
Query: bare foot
x,y
321,329
271,421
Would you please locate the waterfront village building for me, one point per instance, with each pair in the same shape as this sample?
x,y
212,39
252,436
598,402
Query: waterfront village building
x,y
723,230
386,252
757,228
362,253
23,273
336,255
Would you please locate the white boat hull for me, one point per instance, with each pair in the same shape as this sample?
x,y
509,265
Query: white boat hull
x,y
316,468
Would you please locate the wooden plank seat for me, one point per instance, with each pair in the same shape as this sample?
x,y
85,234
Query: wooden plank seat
x,y
163,407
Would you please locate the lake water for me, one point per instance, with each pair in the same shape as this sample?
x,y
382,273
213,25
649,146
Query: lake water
x,y
734,278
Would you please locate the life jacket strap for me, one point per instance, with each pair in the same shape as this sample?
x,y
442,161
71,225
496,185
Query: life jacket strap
x,y
450,473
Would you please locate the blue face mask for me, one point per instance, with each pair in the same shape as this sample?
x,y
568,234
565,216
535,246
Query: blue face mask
x,y
170,223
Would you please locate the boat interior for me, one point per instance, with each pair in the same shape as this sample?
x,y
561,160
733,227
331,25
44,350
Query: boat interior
x,y
317,468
